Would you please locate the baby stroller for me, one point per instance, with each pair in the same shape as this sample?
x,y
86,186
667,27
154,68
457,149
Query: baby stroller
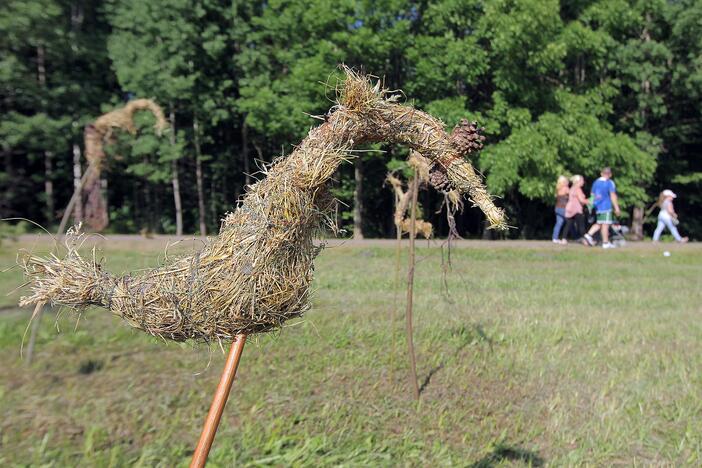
x,y
617,234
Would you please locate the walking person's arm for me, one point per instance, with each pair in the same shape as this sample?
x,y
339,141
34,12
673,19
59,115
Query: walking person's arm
x,y
615,202
581,197
671,210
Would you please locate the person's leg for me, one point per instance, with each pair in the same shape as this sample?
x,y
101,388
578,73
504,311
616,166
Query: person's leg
x,y
605,233
560,219
587,238
566,229
580,223
659,230
673,229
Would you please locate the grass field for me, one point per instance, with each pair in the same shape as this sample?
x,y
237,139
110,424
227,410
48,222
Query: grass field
x,y
536,355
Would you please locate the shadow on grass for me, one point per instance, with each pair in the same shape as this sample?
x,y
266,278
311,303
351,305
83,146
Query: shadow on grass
x,y
427,379
503,452
465,336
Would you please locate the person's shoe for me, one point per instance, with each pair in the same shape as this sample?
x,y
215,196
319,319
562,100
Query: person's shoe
x,y
588,240
684,240
608,245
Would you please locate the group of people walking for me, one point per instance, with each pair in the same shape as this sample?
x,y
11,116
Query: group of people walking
x,y
573,207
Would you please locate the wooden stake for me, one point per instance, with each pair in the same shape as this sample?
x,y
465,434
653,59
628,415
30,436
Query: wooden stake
x,y
75,198
220,399
410,287
396,305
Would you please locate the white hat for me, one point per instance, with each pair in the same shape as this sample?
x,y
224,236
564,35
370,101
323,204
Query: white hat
x,y
669,193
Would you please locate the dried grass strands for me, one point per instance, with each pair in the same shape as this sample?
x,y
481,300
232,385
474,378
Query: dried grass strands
x,y
256,273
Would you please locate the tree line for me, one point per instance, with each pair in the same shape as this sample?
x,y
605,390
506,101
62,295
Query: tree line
x,y
561,87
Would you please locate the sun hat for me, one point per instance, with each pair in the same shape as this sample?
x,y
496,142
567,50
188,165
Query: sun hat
x,y
669,193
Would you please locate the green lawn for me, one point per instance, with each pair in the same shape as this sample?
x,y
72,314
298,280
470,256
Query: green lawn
x,y
536,355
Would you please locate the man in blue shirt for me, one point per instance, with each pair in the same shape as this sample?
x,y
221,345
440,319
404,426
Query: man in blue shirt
x,y
604,198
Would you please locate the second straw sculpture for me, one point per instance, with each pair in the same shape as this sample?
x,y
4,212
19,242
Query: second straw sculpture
x,y
96,135
256,273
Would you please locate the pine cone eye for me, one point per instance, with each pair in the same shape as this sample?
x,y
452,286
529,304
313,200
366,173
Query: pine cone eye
x,y
466,137
439,179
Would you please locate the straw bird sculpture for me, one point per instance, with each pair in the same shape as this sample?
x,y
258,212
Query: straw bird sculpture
x,y
256,273
96,135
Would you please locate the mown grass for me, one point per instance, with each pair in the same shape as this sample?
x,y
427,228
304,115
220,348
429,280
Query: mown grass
x,y
534,356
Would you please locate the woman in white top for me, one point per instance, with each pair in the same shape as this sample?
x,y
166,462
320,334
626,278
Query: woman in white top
x,y
667,217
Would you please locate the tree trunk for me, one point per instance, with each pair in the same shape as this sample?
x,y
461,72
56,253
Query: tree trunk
x,y
245,151
357,200
198,177
5,190
41,65
213,196
77,17
175,180
176,198
77,185
49,185
487,232
48,155
148,202
637,223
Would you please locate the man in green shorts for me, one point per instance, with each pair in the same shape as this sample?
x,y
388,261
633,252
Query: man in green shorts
x,y
604,196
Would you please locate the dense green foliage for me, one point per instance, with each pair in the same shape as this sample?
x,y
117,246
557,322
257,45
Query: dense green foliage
x,y
561,87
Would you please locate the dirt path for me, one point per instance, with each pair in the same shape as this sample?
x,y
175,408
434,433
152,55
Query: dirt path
x,y
161,241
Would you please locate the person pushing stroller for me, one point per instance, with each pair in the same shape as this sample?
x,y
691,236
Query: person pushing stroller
x,y
604,201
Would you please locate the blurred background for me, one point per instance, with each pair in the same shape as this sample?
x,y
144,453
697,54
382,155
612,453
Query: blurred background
x,y
560,87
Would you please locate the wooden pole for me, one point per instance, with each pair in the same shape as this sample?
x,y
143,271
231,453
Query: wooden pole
x,y
220,399
410,287
396,305
75,198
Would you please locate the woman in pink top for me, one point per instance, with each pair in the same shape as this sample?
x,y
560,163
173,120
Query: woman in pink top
x,y
574,207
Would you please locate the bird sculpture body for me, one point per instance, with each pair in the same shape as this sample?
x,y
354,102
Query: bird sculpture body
x,y
256,273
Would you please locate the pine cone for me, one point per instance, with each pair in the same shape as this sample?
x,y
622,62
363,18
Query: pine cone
x,y
466,137
439,180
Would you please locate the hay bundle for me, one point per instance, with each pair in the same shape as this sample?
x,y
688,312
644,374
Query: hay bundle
x,y
256,273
